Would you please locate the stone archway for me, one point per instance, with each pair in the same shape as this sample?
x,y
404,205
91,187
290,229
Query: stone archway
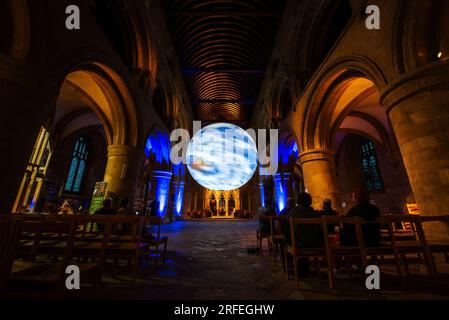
x,y
345,100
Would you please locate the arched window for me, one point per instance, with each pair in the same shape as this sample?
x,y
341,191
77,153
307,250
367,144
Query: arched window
x,y
35,172
370,167
77,167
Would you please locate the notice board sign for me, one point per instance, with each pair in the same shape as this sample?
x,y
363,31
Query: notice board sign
x,y
98,196
413,208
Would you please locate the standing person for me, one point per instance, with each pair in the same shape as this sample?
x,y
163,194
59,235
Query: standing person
x,y
368,212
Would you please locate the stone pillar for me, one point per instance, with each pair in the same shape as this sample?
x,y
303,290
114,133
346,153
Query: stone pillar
x,y
282,189
320,178
266,185
122,172
178,201
262,194
26,97
418,108
162,181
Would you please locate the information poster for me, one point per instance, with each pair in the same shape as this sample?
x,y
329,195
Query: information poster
x,y
98,196
413,208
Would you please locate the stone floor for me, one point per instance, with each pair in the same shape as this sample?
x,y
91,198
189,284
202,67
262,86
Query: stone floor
x,y
210,260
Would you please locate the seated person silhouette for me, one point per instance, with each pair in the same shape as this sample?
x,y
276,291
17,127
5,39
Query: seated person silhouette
x,y
105,210
267,211
329,211
306,236
368,212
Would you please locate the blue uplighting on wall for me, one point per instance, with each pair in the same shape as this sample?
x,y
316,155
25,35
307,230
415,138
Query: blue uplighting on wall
x,y
158,145
178,187
280,191
262,195
162,191
179,198
288,150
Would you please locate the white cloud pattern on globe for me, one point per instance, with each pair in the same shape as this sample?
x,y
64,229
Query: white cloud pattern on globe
x,y
222,156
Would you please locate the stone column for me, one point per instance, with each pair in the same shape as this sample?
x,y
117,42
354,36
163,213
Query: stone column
x,y
178,201
320,178
26,97
418,108
262,194
266,185
122,172
162,181
282,189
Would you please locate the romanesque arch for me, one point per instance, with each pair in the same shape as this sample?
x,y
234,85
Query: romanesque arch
x,y
343,81
343,113
113,101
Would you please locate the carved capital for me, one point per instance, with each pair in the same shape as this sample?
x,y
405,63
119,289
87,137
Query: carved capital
x,y
425,79
316,155
125,151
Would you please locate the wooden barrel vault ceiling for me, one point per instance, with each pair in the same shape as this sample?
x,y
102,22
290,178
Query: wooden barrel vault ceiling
x,y
224,47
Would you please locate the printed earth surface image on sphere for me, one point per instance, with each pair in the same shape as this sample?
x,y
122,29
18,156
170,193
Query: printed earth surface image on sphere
x,y
222,157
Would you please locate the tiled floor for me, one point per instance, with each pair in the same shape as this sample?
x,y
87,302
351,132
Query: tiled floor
x,y
209,260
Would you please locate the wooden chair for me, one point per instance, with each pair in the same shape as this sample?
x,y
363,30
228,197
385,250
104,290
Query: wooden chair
x,y
39,271
387,247
436,246
8,233
28,217
131,249
337,250
417,246
156,240
6,224
260,235
90,247
303,252
276,237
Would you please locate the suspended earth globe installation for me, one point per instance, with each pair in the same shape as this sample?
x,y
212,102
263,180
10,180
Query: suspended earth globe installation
x,y
222,156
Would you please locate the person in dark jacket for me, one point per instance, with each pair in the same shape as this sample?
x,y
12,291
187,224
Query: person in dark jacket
x,y
288,207
368,212
329,211
306,236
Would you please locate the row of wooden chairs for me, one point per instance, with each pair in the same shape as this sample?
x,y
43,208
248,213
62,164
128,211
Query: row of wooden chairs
x,y
394,243
200,214
244,214
37,249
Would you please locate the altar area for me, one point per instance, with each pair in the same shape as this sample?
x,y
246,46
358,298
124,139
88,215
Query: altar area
x,y
222,204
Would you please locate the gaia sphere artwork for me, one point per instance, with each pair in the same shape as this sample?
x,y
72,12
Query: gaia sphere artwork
x,y
222,156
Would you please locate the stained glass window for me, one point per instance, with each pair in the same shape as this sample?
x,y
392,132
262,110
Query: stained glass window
x,y
34,176
77,166
370,167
